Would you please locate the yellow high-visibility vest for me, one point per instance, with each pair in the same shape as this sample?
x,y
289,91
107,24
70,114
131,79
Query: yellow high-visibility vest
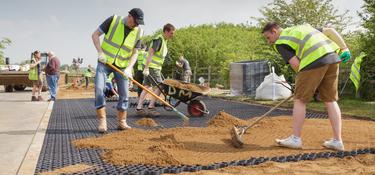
x,y
355,75
309,43
87,73
33,72
110,77
159,56
141,57
116,49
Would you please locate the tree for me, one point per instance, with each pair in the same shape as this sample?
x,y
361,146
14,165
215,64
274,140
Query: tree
x,y
216,45
318,13
3,44
368,45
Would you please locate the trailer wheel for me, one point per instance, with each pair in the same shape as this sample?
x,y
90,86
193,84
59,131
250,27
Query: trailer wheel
x,y
196,108
19,87
8,88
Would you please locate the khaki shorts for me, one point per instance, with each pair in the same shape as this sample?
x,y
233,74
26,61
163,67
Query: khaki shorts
x,y
323,79
154,73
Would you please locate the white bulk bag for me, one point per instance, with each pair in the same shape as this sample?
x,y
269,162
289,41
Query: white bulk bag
x,y
273,88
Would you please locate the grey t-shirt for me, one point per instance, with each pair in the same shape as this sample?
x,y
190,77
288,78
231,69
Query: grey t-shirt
x,y
185,64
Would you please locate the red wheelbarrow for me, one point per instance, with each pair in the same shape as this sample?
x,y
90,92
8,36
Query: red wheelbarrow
x,y
176,92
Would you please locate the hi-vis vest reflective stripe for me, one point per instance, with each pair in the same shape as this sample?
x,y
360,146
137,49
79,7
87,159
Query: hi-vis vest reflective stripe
x,y
159,56
141,57
115,37
33,72
309,43
355,75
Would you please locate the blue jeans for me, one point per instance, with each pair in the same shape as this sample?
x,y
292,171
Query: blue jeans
x,y
102,72
52,81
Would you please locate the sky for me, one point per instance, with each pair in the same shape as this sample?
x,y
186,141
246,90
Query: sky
x,y
65,26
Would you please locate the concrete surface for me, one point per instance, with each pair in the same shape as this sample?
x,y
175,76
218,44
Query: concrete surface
x,y
20,121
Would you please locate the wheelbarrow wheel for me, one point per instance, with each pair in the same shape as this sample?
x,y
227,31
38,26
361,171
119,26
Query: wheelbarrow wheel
x,y
196,108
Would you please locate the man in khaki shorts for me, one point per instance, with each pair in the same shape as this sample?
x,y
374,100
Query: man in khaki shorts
x,y
152,67
313,54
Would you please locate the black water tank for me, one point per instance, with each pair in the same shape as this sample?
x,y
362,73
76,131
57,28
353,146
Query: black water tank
x,y
246,76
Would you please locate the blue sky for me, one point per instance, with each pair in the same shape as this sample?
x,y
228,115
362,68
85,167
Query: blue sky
x,y
65,26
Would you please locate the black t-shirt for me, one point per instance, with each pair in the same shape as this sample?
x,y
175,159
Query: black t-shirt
x,y
156,44
104,27
288,52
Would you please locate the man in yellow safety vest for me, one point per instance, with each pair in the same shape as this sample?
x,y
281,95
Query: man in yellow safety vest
x,y
152,67
119,48
139,73
313,54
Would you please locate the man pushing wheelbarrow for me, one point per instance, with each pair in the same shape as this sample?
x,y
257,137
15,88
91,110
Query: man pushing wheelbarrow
x,y
152,66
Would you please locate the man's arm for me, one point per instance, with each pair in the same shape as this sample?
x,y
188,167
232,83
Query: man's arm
x,y
33,64
332,34
149,57
133,58
179,64
95,38
294,63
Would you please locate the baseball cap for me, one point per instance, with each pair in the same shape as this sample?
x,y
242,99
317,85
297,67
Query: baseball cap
x,y
137,13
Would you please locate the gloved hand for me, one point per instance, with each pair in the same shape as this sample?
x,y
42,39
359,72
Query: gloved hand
x,y
146,72
101,57
128,72
345,55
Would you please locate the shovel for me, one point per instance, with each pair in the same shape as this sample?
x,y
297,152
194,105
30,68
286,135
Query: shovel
x,y
238,131
181,115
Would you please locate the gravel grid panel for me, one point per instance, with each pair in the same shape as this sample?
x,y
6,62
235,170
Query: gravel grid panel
x,y
76,119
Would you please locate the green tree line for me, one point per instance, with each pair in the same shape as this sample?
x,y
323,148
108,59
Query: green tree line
x,y
3,44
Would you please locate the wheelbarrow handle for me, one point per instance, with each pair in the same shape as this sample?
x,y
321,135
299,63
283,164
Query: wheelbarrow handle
x,y
149,91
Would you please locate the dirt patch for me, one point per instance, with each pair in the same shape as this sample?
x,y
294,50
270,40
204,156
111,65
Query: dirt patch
x,y
187,86
224,119
70,92
191,146
78,92
148,122
362,164
77,168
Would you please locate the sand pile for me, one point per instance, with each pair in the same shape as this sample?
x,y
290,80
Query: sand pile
x,y
77,168
68,92
187,86
224,119
191,146
148,122
361,164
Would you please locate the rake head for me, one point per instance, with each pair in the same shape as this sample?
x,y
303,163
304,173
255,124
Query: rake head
x,y
236,134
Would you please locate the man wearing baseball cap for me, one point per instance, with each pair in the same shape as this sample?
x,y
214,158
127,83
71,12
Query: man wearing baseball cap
x,y
119,48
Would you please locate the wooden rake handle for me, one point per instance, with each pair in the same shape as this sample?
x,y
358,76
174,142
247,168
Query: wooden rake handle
x,y
180,114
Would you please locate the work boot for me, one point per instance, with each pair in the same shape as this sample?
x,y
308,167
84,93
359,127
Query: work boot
x,y
40,98
121,116
334,144
140,112
290,142
33,98
153,113
102,120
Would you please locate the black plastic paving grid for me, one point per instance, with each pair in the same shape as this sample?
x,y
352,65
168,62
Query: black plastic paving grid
x,y
75,119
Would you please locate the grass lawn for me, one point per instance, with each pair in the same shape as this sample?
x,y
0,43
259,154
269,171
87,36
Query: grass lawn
x,y
349,105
